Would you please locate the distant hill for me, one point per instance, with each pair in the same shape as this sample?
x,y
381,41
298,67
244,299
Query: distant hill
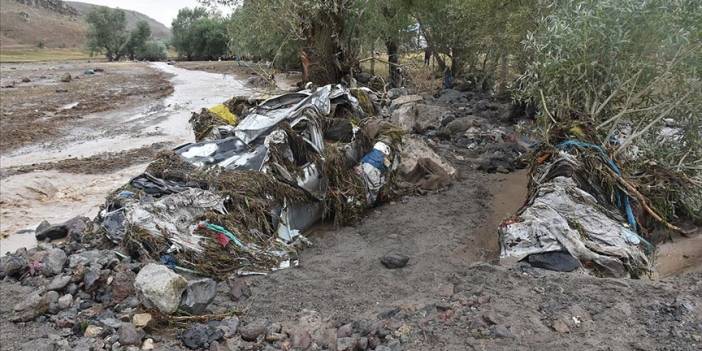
x,y
56,24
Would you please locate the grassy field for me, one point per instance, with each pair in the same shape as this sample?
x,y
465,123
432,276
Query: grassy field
x,y
39,55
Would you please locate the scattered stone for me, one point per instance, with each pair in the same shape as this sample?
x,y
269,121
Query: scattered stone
x,y
229,326
66,77
31,307
90,278
502,332
52,233
198,295
13,265
76,226
344,331
148,344
130,335
141,320
52,296
42,226
93,331
301,339
53,262
59,282
560,326
65,301
160,287
394,260
345,344
199,336
490,318
42,344
389,313
239,288
395,93
26,80
252,331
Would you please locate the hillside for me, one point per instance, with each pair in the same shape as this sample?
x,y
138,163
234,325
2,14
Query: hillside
x,y
55,24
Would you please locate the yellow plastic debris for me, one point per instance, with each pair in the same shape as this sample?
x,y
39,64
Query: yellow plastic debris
x,y
223,112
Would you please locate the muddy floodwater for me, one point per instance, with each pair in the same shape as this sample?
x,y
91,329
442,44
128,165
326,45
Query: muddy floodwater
x,y
27,199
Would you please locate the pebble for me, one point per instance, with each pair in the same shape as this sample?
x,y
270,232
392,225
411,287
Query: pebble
x,y
65,301
141,320
93,331
252,331
560,326
394,260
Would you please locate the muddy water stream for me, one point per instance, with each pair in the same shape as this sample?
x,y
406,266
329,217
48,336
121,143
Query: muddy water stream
x,y
27,199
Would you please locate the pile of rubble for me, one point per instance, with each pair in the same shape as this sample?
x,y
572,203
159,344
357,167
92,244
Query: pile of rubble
x,y
174,245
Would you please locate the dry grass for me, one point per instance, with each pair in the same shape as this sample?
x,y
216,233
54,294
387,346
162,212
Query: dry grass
x,y
30,54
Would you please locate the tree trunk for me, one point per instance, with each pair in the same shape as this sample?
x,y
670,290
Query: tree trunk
x,y
504,72
393,63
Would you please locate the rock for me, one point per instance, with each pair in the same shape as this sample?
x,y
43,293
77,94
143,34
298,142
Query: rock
x,y
415,117
229,326
130,335
344,331
160,287
76,226
65,301
451,96
13,265
345,344
460,125
560,326
252,331
59,282
395,93
148,344
52,233
90,279
53,262
200,335
394,260
31,307
42,344
141,320
502,332
122,284
198,295
490,318
414,148
405,116
26,80
402,100
363,77
52,296
42,226
93,331
301,339
239,289
66,77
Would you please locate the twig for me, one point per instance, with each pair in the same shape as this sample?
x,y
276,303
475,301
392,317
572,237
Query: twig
x,y
543,102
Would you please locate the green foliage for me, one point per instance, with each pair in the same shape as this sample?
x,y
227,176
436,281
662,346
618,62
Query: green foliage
x,y
137,39
152,50
622,69
198,34
107,32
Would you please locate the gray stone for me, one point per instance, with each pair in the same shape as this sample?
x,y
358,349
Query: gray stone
x,y
13,265
59,282
42,226
229,326
90,278
160,287
502,332
395,93
66,77
52,233
65,301
53,262
199,336
130,335
344,331
52,296
42,344
405,99
460,125
198,295
345,344
31,307
76,226
394,260
252,331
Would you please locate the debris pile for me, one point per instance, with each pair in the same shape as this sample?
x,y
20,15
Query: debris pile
x,y
262,172
578,216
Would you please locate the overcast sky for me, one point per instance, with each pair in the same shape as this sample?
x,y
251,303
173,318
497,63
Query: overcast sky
x,y
163,11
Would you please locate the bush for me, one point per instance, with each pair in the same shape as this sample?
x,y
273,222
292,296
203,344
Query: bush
x,y
152,51
621,70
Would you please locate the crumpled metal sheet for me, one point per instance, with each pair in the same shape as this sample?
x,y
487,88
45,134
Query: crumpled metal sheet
x,y
565,217
174,216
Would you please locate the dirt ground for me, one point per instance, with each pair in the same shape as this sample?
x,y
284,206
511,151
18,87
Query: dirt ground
x,y
39,109
241,70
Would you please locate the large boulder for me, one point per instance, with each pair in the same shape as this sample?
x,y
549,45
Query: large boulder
x,y
415,148
198,295
419,118
405,99
160,287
